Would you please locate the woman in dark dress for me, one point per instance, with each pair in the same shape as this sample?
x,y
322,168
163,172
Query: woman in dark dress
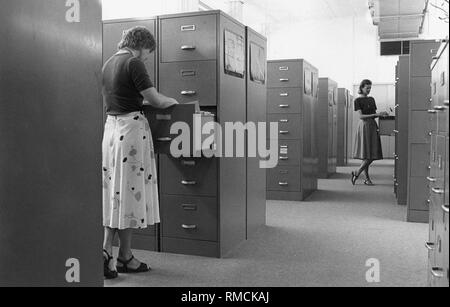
x,y
367,146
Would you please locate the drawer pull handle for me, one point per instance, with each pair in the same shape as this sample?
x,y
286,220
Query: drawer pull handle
x,y
188,163
446,103
430,246
284,158
440,108
428,202
189,227
445,208
284,132
437,272
284,95
284,121
189,207
184,182
284,80
284,106
166,139
188,28
438,191
431,179
396,131
284,68
188,73
188,48
284,147
432,111
188,93
284,184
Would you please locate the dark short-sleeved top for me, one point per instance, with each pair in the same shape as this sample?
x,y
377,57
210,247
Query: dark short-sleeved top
x,y
124,78
367,105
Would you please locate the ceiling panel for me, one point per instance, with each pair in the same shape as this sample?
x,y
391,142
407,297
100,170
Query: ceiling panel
x,y
398,18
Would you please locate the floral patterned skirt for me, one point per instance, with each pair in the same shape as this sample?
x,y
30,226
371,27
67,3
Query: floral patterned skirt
x,y
130,184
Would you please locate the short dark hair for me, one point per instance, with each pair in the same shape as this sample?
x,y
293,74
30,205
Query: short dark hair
x,y
138,38
363,84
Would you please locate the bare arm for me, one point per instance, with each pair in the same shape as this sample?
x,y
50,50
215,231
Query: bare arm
x,y
362,117
158,100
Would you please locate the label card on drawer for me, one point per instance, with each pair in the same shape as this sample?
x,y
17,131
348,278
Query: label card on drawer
x,y
284,151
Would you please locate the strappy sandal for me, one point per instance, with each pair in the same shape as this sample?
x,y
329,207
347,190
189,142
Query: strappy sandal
x,y
126,270
107,272
354,178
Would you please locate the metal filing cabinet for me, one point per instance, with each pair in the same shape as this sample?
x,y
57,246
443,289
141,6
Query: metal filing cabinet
x,y
203,200
292,100
342,124
112,35
438,179
419,127
326,127
256,113
401,132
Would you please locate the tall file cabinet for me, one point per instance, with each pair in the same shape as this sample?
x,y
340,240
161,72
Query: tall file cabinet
x,y
291,102
326,127
342,125
203,200
256,113
420,128
112,35
438,244
401,132
350,127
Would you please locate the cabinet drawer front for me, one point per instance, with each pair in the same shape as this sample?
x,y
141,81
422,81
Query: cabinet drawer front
x,y
190,81
420,160
441,156
190,217
189,38
161,121
420,93
287,179
284,101
442,119
289,153
188,176
288,125
419,194
436,192
284,74
421,127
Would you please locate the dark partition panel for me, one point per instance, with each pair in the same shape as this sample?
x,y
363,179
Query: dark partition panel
x,y
50,151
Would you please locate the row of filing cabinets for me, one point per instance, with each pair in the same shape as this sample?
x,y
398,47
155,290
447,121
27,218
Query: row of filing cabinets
x,y
420,127
291,102
212,59
345,115
438,244
401,130
326,127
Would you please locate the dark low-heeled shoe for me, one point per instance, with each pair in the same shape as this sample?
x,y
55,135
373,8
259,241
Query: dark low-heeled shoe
x,y
124,269
107,272
354,178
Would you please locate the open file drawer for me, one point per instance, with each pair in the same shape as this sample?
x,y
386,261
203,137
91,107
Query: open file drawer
x,y
162,120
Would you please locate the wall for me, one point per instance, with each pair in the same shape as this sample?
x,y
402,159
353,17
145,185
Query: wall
x,y
344,49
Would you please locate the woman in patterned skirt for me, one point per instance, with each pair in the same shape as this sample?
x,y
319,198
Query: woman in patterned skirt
x,y
130,191
367,146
